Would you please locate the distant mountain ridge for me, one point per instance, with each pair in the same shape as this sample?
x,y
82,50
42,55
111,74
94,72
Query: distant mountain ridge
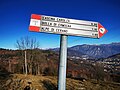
x,y
116,56
93,51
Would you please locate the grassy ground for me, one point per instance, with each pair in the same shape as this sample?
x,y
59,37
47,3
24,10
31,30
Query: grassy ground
x,y
20,81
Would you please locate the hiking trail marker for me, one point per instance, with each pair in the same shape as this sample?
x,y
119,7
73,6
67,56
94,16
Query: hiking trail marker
x,y
57,25
65,26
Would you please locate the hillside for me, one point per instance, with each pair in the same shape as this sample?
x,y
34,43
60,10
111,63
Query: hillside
x,y
112,65
93,51
45,63
20,81
115,56
98,51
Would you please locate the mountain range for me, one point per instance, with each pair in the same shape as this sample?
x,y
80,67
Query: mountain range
x,y
93,51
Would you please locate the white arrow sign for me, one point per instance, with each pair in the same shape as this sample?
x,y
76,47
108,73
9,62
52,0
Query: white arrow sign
x,y
56,25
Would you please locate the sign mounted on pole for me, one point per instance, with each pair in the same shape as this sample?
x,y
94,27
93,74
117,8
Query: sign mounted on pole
x,y
57,25
64,26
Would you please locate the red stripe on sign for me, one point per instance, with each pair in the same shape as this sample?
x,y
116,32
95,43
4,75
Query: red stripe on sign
x,y
35,16
102,30
34,28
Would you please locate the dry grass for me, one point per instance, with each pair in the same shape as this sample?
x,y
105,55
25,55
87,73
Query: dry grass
x,y
20,81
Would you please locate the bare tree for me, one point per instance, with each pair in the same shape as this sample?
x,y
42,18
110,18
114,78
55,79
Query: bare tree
x,y
26,44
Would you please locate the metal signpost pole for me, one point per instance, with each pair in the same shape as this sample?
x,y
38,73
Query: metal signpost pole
x,y
62,63
65,26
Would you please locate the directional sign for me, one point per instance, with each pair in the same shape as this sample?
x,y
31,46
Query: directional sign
x,y
57,25
64,26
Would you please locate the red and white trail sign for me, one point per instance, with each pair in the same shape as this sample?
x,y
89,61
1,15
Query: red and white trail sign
x,y
57,25
65,26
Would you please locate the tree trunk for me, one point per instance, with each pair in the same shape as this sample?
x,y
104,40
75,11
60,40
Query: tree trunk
x,y
30,69
9,66
38,69
23,69
26,64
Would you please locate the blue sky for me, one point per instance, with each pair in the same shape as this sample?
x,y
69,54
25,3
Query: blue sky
x,y
15,18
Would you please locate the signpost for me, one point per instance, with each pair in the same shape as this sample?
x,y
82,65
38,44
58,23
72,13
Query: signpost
x,y
56,25
65,26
